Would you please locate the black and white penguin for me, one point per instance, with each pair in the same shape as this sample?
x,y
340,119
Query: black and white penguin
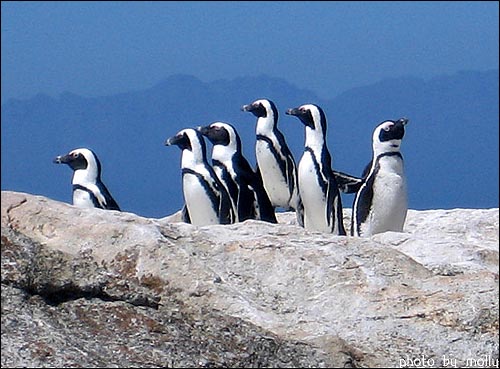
x,y
88,189
245,187
206,199
274,159
381,203
318,188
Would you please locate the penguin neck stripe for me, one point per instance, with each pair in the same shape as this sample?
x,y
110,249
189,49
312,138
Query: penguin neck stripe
x,y
264,138
218,163
189,171
391,153
91,194
375,164
317,169
277,156
210,191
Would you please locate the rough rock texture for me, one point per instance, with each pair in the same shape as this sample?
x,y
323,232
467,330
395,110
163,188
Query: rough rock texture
x,y
88,288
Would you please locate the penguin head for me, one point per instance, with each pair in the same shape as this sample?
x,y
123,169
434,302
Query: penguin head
x,y
189,141
314,120
388,135
262,108
312,116
83,161
222,135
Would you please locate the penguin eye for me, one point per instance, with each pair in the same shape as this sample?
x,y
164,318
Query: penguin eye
x,y
75,155
387,128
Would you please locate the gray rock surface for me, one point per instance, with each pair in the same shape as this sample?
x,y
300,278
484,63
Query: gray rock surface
x,y
95,288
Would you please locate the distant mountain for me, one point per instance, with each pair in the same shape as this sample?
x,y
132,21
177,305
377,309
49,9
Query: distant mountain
x,y
450,147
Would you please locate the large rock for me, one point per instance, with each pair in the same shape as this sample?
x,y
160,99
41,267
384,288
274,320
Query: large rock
x,y
88,287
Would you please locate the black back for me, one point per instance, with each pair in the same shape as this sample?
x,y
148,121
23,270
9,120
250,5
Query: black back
x,y
247,187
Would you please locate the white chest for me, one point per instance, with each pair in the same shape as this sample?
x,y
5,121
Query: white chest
x,y
200,207
313,198
390,201
82,199
275,182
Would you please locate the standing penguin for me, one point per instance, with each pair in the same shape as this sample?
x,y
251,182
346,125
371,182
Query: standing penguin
x,y
207,201
381,203
88,189
245,187
274,159
318,188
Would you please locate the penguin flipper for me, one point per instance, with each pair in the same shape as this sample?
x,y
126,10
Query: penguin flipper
x,y
291,173
347,183
299,212
185,215
334,202
266,209
108,202
363,200
226,214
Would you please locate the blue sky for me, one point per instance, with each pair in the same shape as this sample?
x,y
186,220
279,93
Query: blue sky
x,y
102,48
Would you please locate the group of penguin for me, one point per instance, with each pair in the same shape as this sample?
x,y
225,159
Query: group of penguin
x,y
230,190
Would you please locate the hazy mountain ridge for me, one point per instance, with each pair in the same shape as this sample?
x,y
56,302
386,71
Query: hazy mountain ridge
x,y
451,144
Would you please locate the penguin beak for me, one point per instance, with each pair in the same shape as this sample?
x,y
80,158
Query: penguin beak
x,y
174,140
181,140
256,109
203,130
246,108
403,121
294,111
60,159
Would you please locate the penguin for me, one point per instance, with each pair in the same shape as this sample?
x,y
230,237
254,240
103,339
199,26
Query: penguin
x,y
88,189
245,187
276,162
274,159
206,199
317,184
381,203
